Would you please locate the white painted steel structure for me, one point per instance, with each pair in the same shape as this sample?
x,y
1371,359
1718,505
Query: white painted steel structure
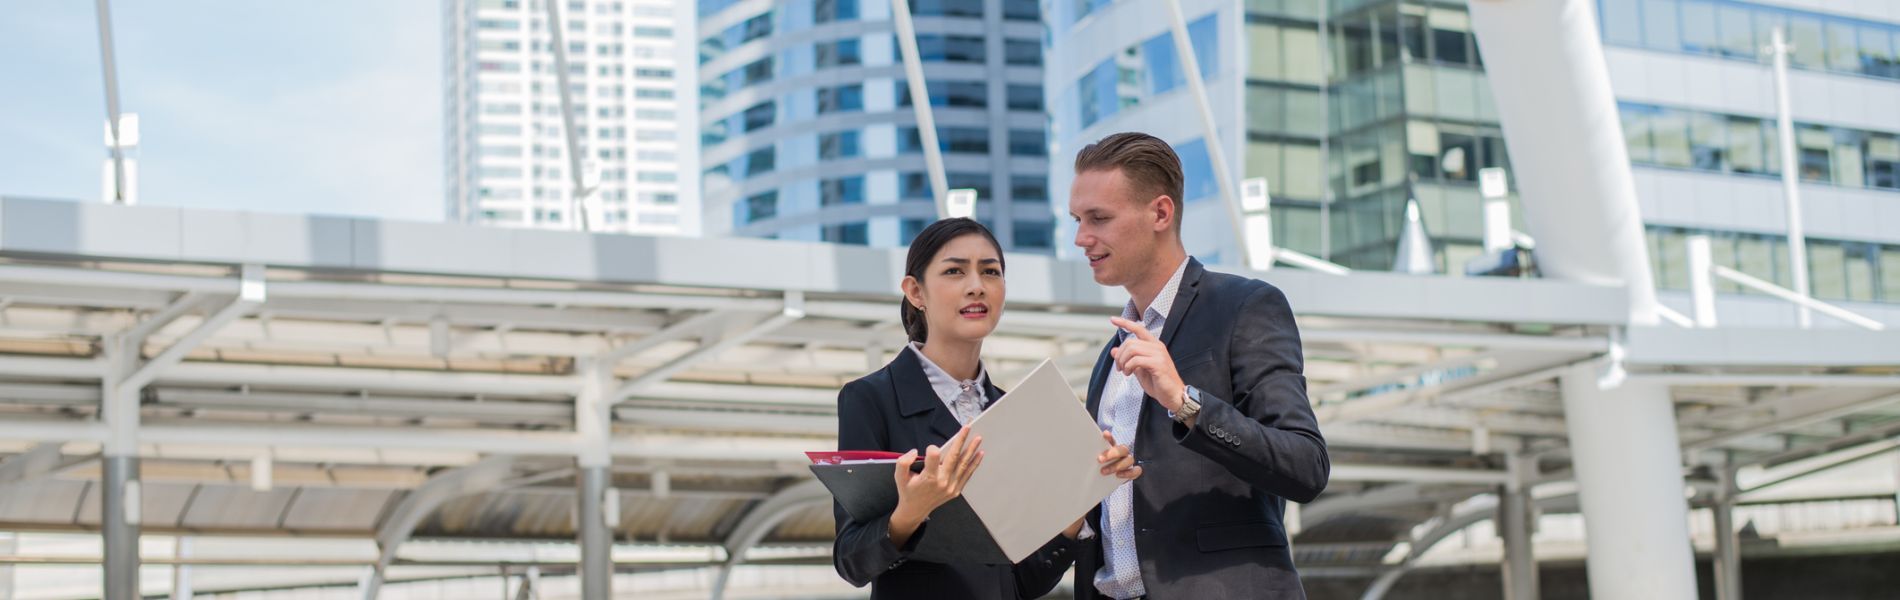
x,y
383,353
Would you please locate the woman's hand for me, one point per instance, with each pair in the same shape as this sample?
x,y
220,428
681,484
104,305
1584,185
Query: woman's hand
x,y
945,471
1118,459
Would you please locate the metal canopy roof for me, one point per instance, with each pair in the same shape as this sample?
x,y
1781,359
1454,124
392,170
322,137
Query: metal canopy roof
x,y
424,375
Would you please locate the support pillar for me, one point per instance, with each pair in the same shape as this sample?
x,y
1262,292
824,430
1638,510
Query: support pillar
x,y
120,503
120,526
594,481
1626,457
181,573
1727,561
10,545
1516,522
595,538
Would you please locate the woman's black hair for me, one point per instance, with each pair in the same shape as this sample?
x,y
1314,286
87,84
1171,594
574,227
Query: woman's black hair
x,y
925,247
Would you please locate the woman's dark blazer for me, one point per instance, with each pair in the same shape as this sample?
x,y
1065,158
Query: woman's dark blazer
x,y
894,409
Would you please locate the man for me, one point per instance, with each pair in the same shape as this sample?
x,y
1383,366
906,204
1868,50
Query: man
x,y
1203,380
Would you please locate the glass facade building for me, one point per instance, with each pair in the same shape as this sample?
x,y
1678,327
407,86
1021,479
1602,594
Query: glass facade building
x,y
505,146
1351,107
809,132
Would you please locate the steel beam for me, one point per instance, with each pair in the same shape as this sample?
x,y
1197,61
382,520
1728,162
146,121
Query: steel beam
x,y
761,520
395,528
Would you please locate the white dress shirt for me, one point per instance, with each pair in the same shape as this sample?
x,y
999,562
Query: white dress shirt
x,y
1120,412
964,397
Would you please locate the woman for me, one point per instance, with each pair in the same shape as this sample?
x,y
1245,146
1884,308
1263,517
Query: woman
x,y
922,403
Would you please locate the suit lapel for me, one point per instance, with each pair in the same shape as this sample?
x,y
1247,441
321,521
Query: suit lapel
x,y
1099,379
1171,327
1183,300
915,396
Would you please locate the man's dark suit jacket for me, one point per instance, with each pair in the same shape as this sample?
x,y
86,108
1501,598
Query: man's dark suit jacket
x,y
896,410
1209,504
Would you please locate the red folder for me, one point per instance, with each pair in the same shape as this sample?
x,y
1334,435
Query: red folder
x,y
840,457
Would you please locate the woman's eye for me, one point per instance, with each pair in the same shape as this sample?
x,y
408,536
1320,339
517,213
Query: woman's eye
x,y
953,271
993,272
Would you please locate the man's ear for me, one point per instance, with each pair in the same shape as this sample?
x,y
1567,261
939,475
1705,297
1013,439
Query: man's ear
x,y
1165,216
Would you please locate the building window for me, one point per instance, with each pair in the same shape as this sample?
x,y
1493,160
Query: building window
x,y
1163,67
838,144
959,94
1028,188
1024,53
1678,138
949,48
908,229
732,37
837,54
1022,10
946,8
1197,170
916,186
844,98
756,72
1739,30
848,233
1024,97
760,207
653,32
760,116
826,11
1024,142
965,140
845,190
760,161
1033,235
1097,94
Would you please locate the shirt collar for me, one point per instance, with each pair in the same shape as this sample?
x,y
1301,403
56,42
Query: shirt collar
x,y
1163,301
947,386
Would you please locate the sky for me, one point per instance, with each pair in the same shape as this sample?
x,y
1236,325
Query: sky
x,y
329,107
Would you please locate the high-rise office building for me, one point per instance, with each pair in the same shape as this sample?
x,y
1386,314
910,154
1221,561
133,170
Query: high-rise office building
x,y
1351,107
809,133
631,80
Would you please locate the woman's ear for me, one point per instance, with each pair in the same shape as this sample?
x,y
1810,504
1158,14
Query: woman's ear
x,y
913,292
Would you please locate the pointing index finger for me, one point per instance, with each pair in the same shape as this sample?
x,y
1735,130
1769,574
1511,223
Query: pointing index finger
x,y
1140,332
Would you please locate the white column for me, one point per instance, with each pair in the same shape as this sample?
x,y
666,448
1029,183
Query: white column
x,y
1545,62
9,545
1516,522
1790,175
1626,457
119,505
1727,561
593,421
181,573
1702,281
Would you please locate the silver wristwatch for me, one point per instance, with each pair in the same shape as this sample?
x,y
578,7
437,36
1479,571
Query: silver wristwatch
x,y
1190,405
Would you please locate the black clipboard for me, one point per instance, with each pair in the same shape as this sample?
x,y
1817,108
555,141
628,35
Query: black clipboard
x,y
953,534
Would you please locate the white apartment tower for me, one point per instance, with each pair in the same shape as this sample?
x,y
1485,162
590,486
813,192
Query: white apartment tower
x,y
506,149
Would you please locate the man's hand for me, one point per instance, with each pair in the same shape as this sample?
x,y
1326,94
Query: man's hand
x,y
1118,459
1147,359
